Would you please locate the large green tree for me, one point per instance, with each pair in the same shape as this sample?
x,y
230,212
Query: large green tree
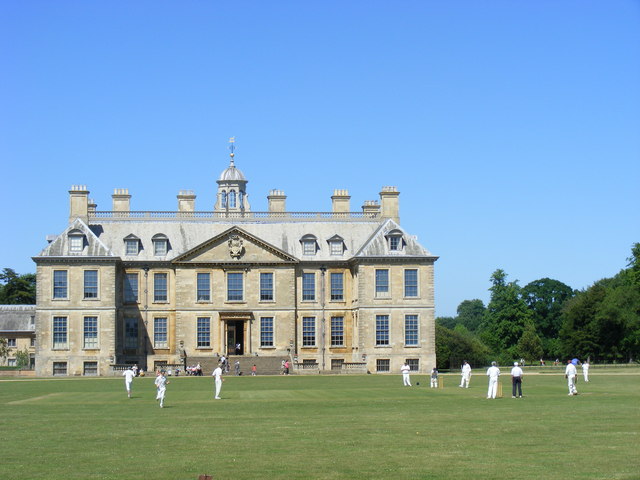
x,y
603,321
454,346
470,314
505,319
545,298
17,289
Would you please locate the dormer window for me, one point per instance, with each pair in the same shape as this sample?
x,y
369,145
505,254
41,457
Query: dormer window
x,y
160,245
395,240
336,245
309,245
131,245
76,241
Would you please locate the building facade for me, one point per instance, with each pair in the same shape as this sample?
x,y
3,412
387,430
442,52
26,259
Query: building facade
x,y
324,289
17,326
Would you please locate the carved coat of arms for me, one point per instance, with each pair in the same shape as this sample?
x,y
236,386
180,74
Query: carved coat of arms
x,y
236,246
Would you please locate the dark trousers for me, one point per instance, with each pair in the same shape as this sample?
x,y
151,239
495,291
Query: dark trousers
x,y
517,384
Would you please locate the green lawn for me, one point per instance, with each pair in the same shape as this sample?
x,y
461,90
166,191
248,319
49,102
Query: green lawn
x,y
320,427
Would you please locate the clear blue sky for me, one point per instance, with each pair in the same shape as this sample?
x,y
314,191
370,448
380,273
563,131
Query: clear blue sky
x,y
511,128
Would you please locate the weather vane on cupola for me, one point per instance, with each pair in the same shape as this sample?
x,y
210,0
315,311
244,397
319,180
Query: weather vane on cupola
x,y
232,148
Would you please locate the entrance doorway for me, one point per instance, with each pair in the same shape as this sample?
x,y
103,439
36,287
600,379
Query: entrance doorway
x,y
235,337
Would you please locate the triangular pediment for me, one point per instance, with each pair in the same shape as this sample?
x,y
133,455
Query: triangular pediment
x,y
92,246
378,244
235,246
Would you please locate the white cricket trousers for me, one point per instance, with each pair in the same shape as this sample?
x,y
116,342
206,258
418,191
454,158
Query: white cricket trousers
x,y
493,388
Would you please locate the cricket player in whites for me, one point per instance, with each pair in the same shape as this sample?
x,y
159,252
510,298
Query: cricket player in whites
x,y
161,386
217,373
128,375
466,375
406,379
570,374
493,372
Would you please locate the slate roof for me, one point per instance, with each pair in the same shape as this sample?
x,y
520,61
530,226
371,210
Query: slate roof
x,y
361,238
17,318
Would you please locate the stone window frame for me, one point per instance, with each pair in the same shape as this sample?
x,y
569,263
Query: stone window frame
x,y
160,332
336,288
264,296
57,289
407,343
85,287
309,332
379,293
228,278
135,298
203,295
203,332
417,283
158,275
95,344
310,296
267,332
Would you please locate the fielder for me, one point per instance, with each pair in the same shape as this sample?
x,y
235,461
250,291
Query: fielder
x,y
570,374
434,378
466,375
585,370
161,386
405,369
128,375
217,373
493,372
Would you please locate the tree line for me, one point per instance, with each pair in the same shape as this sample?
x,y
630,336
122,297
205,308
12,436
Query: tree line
x,y
546,319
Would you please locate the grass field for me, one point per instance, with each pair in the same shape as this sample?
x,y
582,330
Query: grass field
x,y
320,427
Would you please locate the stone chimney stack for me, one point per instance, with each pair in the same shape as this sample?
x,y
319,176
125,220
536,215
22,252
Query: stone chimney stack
x,y
371,208
277,201
79,203
340,201
390,203
186,201
121,200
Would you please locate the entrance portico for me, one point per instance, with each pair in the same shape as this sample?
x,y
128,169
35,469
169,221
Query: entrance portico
x,y
236,332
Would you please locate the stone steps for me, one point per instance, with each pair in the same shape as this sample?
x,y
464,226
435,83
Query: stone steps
x,y
264,365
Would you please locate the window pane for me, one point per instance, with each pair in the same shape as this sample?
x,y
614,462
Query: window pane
x,y
232,199
411,283
76,243
59,284
235,290
308,331
336,248
266,286
204,332
132,247
131,287
90,284
382,329
394,243
308,286
59,332
411,330
90,368
337,331
382,365
337,290
414,364
309,247
204,287
159,247
90,332
382,282
59,368
160,287
131,333
266,331
160,332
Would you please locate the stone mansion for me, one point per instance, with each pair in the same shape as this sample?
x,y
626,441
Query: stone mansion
x,y
324,289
